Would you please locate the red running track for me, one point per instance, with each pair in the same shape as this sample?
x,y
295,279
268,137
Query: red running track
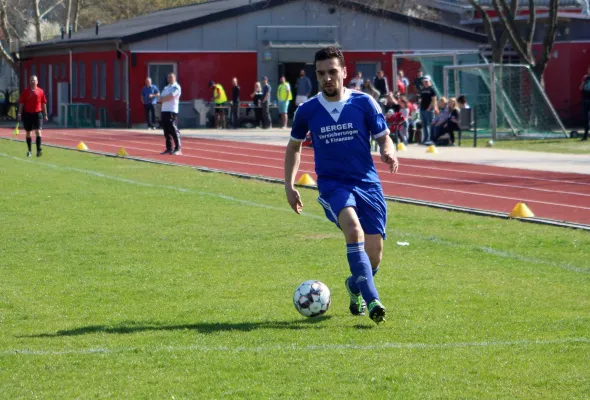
x,y
552,195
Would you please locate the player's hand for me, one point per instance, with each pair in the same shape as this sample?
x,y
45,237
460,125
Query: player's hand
x,y
294,199
391,160
46,117
18,118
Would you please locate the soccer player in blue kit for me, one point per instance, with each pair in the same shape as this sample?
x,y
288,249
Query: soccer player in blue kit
x,y
342,123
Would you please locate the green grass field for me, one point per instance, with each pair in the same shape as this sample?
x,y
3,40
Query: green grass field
x,y
129,280
567,146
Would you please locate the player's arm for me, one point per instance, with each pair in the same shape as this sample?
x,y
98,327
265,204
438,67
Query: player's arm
x,y
387,150
45,111
380,132
293,159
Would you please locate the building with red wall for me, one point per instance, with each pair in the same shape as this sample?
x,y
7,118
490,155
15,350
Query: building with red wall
x,y
106,66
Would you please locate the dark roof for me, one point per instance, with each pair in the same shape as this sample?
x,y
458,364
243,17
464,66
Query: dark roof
x,y
175,19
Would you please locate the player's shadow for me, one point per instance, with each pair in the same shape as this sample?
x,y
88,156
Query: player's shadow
x,y
132,327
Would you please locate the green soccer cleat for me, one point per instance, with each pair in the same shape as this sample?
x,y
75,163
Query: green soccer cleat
x,y
377,311
357,304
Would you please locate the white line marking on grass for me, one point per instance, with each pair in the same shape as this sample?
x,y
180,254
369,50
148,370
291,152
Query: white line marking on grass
x,y
494,252
296,347
151,185
433,239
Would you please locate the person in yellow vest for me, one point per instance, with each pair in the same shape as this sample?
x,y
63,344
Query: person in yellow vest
x,y
219,98
284,96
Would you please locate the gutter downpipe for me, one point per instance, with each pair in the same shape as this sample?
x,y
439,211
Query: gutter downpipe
x,y
71,79
127,110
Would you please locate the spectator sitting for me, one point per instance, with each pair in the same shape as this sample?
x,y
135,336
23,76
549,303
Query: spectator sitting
x,y
452,123
440,119
397,124
369,89
462,102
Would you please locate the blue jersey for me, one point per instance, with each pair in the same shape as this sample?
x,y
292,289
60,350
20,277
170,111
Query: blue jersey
x,y
341,133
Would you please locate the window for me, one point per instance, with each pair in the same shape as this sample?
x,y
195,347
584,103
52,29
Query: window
x,y
33,70
82,73
117,80
94,80
159,74
56,71
103,80
369,69
74,80
43,76
63,70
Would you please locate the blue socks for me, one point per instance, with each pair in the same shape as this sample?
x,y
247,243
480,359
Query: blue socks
x,y
362,273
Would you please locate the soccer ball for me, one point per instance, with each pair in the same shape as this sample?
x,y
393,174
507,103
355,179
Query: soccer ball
x,y
490,143
312,298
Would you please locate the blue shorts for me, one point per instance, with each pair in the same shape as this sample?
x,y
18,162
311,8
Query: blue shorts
x,y
283,107
367,200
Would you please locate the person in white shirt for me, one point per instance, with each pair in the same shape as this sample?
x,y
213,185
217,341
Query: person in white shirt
x,y
170,98
357,81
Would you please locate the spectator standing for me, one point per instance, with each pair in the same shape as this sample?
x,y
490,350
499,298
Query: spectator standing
x,y
235,104
427,106
219,98
585,88
284,96
149,99
404,80
34,104
257,102
303,88
419,81
170,98
380,83
266,122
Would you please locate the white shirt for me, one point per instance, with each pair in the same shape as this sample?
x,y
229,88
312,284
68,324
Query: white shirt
x,y
172,104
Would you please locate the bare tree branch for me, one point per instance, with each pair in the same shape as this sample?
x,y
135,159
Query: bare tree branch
x,y
548,41
507,19
37,19
4,27
531,26
68,13
50,9
79,5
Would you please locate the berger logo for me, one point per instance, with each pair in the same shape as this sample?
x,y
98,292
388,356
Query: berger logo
x,y
335,111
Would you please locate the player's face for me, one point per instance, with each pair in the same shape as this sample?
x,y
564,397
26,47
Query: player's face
x,y
33,82
330,76
171,79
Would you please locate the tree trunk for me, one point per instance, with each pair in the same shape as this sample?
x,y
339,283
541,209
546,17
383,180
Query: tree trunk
x,y
37,19
68,13
77,14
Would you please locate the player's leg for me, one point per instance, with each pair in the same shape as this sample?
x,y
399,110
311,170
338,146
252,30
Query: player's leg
x,y
359,262
27,123
175,134
372,213
165,122
334,200
38,125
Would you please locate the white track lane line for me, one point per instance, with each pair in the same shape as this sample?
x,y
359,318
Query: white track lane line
x,y
517,199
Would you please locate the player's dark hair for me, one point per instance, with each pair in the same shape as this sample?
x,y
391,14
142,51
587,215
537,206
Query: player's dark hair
x,y
461,99
329,53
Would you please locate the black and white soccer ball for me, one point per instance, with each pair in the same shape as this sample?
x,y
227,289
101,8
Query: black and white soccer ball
x,y
312,298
